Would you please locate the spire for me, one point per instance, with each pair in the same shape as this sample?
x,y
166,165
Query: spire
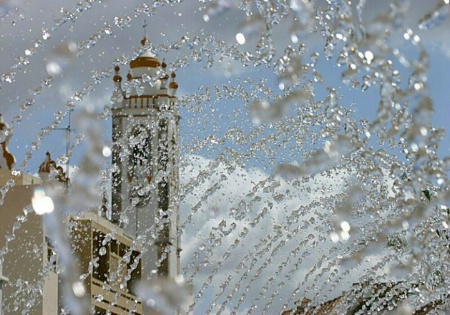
x,y
45,166
144,26
164,78
49,166
146,59
144,40
117,78
173,86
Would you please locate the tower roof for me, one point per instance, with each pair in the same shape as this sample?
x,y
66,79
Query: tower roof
x,y
146,59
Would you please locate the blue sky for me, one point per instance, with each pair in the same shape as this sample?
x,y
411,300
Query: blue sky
x,y
25,23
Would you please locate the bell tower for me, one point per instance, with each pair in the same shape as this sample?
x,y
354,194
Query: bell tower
x,y
146,161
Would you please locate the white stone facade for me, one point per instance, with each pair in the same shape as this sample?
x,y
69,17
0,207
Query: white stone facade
x,y
145,161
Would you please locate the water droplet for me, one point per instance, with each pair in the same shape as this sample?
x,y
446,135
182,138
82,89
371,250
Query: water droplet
x,y
102,251
240,38
45,34
435,18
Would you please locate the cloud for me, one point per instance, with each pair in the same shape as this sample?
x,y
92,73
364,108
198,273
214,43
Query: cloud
x,y
250,234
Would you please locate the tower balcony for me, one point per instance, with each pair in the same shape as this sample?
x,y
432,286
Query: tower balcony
x,y
159,101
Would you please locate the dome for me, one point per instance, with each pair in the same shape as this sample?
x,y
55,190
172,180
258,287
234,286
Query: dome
x,y
117,77
173,84
145,60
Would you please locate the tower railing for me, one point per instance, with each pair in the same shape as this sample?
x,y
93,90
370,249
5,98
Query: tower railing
x,y
147,101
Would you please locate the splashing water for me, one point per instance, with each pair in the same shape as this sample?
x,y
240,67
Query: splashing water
x,y
311,165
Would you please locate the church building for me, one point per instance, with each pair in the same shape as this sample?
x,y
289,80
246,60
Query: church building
x,y
133,236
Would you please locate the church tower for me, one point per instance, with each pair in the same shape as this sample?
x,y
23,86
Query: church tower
x,y
145,162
